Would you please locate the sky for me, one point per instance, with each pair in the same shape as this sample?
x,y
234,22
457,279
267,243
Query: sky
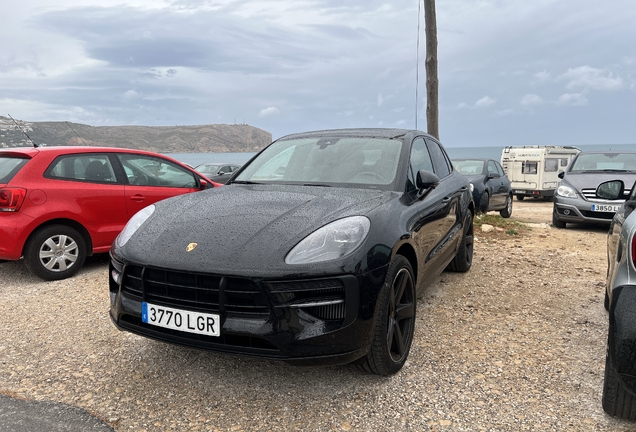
x,y
511,72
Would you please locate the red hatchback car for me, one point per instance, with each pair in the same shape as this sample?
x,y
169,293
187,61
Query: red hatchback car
x,y
60,204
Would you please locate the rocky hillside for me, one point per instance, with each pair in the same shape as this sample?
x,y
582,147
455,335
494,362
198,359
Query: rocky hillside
x,y
161,139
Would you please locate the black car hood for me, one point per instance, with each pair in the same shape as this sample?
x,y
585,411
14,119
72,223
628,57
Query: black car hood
x,y
246,227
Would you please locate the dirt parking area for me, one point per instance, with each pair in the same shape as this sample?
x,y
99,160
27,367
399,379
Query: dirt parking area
x,y
517,343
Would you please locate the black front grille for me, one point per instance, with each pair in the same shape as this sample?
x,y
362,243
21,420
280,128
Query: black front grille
x,y
195,291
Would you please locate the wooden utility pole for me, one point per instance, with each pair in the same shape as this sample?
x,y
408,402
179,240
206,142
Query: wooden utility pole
x,y
432,83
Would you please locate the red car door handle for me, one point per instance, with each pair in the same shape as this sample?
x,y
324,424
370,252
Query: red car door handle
x,y
138,198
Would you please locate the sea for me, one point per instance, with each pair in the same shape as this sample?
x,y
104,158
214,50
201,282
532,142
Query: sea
x,y
194,159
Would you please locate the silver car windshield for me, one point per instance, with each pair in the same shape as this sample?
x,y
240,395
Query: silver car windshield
x,y
327,160
605,162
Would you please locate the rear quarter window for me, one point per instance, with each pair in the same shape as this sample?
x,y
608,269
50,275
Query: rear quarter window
x,y
10,166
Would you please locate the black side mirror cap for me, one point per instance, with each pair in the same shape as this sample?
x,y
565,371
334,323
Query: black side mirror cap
x,y
561,174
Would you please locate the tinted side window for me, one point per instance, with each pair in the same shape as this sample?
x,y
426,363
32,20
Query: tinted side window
x,y
492,168
500,169
89,167
440,160
151,171
420,160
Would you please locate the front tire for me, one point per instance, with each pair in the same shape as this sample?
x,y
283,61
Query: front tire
x,y
507,212
395,323
617,401
484,202
55,252
463,261
556,222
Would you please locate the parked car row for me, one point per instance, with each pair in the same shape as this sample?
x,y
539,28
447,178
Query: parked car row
x,y
219,173
490,185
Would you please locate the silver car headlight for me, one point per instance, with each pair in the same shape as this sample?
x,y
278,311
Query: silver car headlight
x,y
332,241
566,191
133,224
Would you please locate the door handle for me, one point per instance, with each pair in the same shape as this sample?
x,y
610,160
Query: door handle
x,y
138,198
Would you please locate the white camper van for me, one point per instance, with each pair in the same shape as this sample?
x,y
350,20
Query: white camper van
x,y
533,170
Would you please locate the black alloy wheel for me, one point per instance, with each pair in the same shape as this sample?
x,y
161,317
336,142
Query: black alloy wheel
x,y
55,252
395,323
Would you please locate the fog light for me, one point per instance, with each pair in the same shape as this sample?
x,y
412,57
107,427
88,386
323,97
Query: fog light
x,y
566,212
115,275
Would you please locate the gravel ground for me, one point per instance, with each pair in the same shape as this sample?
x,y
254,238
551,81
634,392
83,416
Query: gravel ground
x,y
517,343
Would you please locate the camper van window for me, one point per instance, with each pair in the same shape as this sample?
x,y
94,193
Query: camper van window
x,y
551,165
564,162
529,168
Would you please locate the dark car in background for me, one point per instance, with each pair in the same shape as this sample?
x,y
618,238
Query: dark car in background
x,y
60,204
619,388
219,173
327,240
491,187
576,200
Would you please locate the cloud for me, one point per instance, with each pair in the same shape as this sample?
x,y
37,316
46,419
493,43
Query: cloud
x,y
531,99
574,99
380,100
485,102
590,78
543,75
504,112
131,95
268,112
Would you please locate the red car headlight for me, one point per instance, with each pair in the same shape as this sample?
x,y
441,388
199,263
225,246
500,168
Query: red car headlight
x,y
11,199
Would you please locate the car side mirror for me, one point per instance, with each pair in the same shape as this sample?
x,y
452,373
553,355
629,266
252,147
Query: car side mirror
x,y
426,180
561,174
493,176
611,190
204,184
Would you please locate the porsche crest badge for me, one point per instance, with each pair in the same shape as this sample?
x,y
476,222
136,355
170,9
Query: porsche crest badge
x,y
191,247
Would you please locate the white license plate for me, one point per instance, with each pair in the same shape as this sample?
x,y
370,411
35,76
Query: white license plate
x,y
608,208
519,191
178,319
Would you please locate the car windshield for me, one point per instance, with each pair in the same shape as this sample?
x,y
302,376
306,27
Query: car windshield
x,y
207,169
604,162
326,161
9,166
469,167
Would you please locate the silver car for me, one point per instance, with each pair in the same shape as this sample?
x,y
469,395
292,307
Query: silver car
x,y
619,386
576,200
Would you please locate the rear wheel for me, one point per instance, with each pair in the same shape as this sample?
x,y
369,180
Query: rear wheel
x,y
395,324
520,197
507,212
617,401
606,301
464,258
55,252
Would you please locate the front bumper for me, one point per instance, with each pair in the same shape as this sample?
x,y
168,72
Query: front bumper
x,y
326,320
579,210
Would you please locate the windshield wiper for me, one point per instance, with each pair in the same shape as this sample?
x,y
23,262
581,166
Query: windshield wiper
x,y
317,184
248,182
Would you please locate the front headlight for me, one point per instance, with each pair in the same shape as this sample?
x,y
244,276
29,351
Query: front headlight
x,y
566,191
133,224
335,240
